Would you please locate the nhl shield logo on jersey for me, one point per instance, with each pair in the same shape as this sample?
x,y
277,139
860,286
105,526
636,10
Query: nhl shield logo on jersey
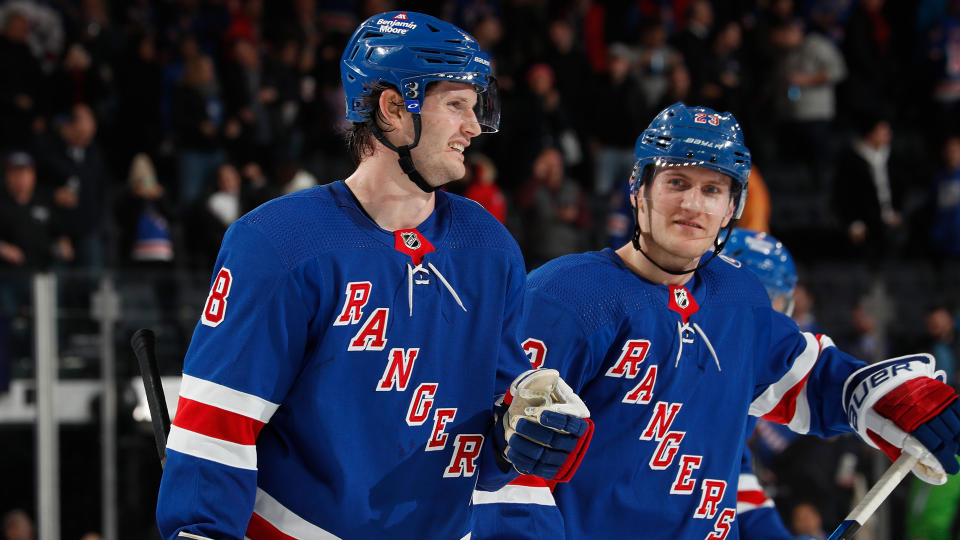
x,y
680,295
414,244
411,240
681,301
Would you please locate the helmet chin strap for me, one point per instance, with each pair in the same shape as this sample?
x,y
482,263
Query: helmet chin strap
x,y
405,159
718,247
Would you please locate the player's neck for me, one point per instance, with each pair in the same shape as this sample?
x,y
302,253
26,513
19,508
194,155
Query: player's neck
x,y
644,268
388,195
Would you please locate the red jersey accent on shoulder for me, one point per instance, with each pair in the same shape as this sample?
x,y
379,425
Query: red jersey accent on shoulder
x,y
681,301
411,242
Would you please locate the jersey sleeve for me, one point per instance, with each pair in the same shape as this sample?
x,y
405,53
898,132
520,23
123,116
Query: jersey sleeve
x,y
244,356
800,379
523,510
757,517
511,362
553,337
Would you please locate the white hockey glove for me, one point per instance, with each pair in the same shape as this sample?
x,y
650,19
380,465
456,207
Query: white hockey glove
x,y
541,426
896,403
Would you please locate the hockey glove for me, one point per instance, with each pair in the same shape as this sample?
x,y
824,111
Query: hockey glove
x,y
541,426
887,401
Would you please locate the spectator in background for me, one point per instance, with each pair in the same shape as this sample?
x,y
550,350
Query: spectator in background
x,y
693,42
655,58
865,196
144,215
941,340
21,86
943,57
572,69
945,228
807,522
863,341
220,209
284,112
803,310
541,120
17,525
555,211
617,110
78,79
75,167
30,235
725,76
198,121
249,94
808,69
139,91
482,186
868,49
679,86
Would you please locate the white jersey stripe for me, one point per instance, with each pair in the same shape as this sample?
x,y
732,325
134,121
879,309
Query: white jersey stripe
x,y
746,507
800,423
516,494
227,398
241,456
286,521
771,397
748,482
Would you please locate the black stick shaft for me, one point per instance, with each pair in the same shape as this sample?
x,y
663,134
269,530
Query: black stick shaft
x,y
144,344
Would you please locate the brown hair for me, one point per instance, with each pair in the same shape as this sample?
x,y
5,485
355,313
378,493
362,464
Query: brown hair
x,y
359,137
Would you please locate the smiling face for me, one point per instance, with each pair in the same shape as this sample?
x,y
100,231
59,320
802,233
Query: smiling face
x,y
448,123
681,212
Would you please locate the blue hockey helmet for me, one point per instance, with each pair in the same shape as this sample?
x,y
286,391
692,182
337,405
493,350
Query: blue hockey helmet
x,y
768,259
694,136
409,50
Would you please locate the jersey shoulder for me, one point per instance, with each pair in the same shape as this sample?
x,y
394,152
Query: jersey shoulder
x,y
729,282
307,223
595,286
472,226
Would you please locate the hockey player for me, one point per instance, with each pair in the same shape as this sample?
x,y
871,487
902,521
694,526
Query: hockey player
x,y
342,378
671,347
526,508
765,256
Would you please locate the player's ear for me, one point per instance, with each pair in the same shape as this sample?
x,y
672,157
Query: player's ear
x,y
391,109
729,215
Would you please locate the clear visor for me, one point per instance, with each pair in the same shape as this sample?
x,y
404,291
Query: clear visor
x,y
682,189
486,110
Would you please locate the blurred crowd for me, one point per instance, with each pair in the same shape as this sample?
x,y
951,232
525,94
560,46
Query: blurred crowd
x,y
135,132
149,126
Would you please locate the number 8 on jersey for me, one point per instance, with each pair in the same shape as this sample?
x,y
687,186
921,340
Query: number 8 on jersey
x,y
216,306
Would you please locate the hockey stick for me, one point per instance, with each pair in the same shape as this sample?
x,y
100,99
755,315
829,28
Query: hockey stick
x,y
877,494
144,344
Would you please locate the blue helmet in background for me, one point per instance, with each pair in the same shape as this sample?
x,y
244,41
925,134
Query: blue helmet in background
x,y
768,259
409,50
694,136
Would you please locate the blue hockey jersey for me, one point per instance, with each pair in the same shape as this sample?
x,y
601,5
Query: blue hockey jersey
x,y
670,375
341,380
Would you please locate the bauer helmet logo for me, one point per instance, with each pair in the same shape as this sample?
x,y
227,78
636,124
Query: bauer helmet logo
x,y
680,295
411,240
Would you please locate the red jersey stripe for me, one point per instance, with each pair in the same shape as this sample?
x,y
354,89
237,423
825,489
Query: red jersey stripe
x,y
215,422
261,529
